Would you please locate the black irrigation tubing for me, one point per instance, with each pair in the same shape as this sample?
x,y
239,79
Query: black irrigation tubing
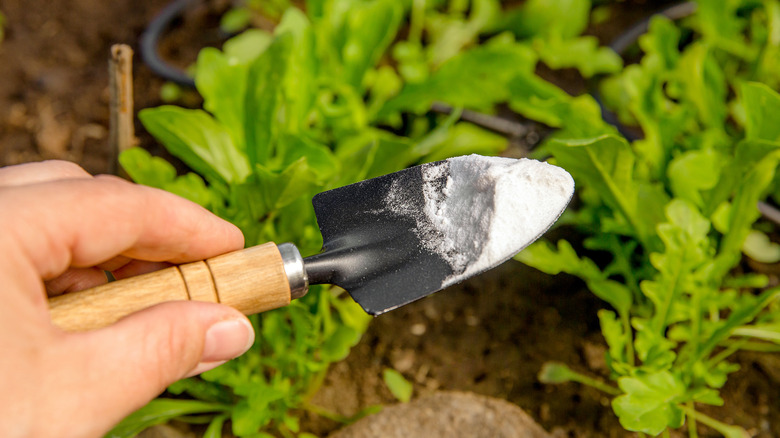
x,y
512,129
151,37
148,46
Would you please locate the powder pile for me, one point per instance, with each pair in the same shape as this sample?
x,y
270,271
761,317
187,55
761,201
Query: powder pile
x,y
480,211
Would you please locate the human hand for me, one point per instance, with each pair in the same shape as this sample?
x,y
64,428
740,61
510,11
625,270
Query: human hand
x,y
60,228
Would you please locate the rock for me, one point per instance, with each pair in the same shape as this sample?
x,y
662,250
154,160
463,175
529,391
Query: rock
x,y
447,414
165,431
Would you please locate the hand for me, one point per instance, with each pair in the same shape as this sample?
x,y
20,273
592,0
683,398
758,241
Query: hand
x,y
59,229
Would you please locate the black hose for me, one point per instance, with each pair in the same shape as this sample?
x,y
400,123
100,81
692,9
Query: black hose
x,y
151,36
632,34
149,53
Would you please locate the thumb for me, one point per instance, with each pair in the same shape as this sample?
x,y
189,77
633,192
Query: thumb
x,y
134,360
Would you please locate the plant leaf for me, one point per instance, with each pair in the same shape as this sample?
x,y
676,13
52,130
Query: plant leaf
x,y
762,105
397,384
159,411
649,404
477,78
198,140
606,164
215,427
582,53
545,18
263,98
370,28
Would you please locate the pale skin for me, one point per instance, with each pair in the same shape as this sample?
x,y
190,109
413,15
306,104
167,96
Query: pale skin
x,y
60,228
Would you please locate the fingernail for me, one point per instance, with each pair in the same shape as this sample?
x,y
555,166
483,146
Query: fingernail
x,y
203,367
228,339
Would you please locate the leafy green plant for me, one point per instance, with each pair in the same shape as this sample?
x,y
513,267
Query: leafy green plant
x,y
285,116
296,112
674,210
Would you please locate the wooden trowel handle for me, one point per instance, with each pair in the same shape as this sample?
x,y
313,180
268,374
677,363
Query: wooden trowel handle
x,y
251,280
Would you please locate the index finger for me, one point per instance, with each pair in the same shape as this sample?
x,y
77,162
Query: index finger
x,y
85,222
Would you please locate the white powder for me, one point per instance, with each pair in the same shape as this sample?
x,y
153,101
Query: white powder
x,y
480,211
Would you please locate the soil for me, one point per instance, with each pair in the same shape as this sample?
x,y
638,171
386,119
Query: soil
x,y
489,335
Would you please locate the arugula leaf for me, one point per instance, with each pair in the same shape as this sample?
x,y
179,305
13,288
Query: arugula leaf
x,y
541,256
616,339
466,139
215,427
300,74
450,33
370,28
544,18
222,83
687,246
582,53
197,139
738,317
159,411
263,99
477,78
694,172
156,172
606,164
649,402
762,104
758,247
244,47
540,100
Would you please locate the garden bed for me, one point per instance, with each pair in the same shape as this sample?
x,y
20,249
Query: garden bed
x,y
490,335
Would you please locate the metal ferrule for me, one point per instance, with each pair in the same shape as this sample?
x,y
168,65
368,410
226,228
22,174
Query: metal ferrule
x,y
293,267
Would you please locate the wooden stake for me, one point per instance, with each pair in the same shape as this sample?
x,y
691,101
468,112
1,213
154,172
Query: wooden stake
x,y
122,132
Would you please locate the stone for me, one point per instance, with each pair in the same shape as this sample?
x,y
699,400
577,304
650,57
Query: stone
x,y
447,414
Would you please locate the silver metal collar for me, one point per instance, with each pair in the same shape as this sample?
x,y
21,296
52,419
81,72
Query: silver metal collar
x,y
293,267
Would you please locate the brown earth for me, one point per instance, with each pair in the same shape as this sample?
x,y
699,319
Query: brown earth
x,y
490,335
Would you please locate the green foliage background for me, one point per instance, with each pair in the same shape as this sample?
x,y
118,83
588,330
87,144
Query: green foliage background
x,y
342,92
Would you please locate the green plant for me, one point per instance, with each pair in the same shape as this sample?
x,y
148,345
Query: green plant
x,y
287,115
674,210
336,95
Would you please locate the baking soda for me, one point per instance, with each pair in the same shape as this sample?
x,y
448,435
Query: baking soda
x,y
480,211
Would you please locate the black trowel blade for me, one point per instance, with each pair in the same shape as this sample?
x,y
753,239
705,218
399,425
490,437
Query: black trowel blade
x,y
372,252
394,239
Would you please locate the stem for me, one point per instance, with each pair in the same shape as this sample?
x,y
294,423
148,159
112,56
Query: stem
x,y
666,305
626,319
762,347
595,383
728,351
315,385
692,432
322,412
416,21
759,332
696,323
724,429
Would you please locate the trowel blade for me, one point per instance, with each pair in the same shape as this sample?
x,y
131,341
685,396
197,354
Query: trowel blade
x,y
396,238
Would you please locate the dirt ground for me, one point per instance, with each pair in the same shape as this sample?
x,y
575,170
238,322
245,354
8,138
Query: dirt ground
x,y
490,336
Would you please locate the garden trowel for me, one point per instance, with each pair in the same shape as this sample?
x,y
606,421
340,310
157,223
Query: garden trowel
x,y
388,241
